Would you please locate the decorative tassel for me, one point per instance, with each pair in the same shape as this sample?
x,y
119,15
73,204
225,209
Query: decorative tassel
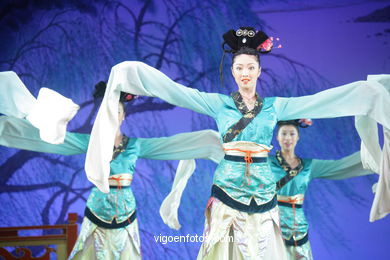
x,y
248,174
248,161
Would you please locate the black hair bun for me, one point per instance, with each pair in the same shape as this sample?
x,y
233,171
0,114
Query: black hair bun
x,y
100,89
246,37
303,123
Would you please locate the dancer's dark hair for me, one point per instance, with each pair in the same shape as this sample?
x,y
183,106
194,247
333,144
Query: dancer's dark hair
x,y
297,123
100,89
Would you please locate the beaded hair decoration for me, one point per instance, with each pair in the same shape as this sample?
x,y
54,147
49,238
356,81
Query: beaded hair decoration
x,y
247,37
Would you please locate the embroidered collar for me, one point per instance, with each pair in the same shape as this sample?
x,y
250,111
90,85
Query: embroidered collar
x,y
241,106
286,167
121,147
247,117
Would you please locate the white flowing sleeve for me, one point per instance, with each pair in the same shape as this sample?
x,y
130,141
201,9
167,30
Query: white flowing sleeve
x,y
169,208
21,134
140,79
374,158
369,102
369,98
201,144
193,145
347,167
381,204
50,112
186,147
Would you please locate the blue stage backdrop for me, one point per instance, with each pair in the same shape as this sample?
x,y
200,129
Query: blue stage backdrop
x,y
71,45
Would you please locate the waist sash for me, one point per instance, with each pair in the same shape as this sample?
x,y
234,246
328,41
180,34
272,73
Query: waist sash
x,y
300,242
113,225
250,152
295,201
119,181
242,159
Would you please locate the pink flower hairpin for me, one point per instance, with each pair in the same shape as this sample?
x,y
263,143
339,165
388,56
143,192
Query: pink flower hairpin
x,y
268,44
129,97
305,122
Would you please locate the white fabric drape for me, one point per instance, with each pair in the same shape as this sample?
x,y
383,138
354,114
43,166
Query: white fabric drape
x,y
372,156
50,112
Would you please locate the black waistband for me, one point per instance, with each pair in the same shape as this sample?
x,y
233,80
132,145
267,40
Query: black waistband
x,y
300,242
88,213
119,187
242,158
286,204
218,193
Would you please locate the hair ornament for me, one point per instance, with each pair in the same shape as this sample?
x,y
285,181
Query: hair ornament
x,y
268,44
128,97
100,89
245,37
305,122
245,32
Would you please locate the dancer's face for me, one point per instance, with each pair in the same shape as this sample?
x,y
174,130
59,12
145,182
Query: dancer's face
x,y
246,71
121,113
288,137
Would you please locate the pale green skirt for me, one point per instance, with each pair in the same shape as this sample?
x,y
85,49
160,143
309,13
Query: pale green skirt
x,y
100,243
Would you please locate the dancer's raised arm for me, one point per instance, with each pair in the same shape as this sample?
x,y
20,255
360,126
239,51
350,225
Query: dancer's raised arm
x,y
141,79
21,134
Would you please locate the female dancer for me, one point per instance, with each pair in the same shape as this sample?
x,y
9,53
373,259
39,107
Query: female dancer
x,y
244,190
109,229
293,176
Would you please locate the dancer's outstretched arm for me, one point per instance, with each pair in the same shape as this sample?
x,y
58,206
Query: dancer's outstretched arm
x,y
20,133
346,167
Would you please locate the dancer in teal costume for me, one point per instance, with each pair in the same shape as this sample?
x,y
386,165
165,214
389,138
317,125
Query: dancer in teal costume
x,y
293,175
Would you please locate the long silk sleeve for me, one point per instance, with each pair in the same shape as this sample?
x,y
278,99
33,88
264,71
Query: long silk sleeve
x,y
15,99
381,204
370,149
185,147
347,167
141,79
358,98
170,206
193,145
21,134
373,157
50,112
202,144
